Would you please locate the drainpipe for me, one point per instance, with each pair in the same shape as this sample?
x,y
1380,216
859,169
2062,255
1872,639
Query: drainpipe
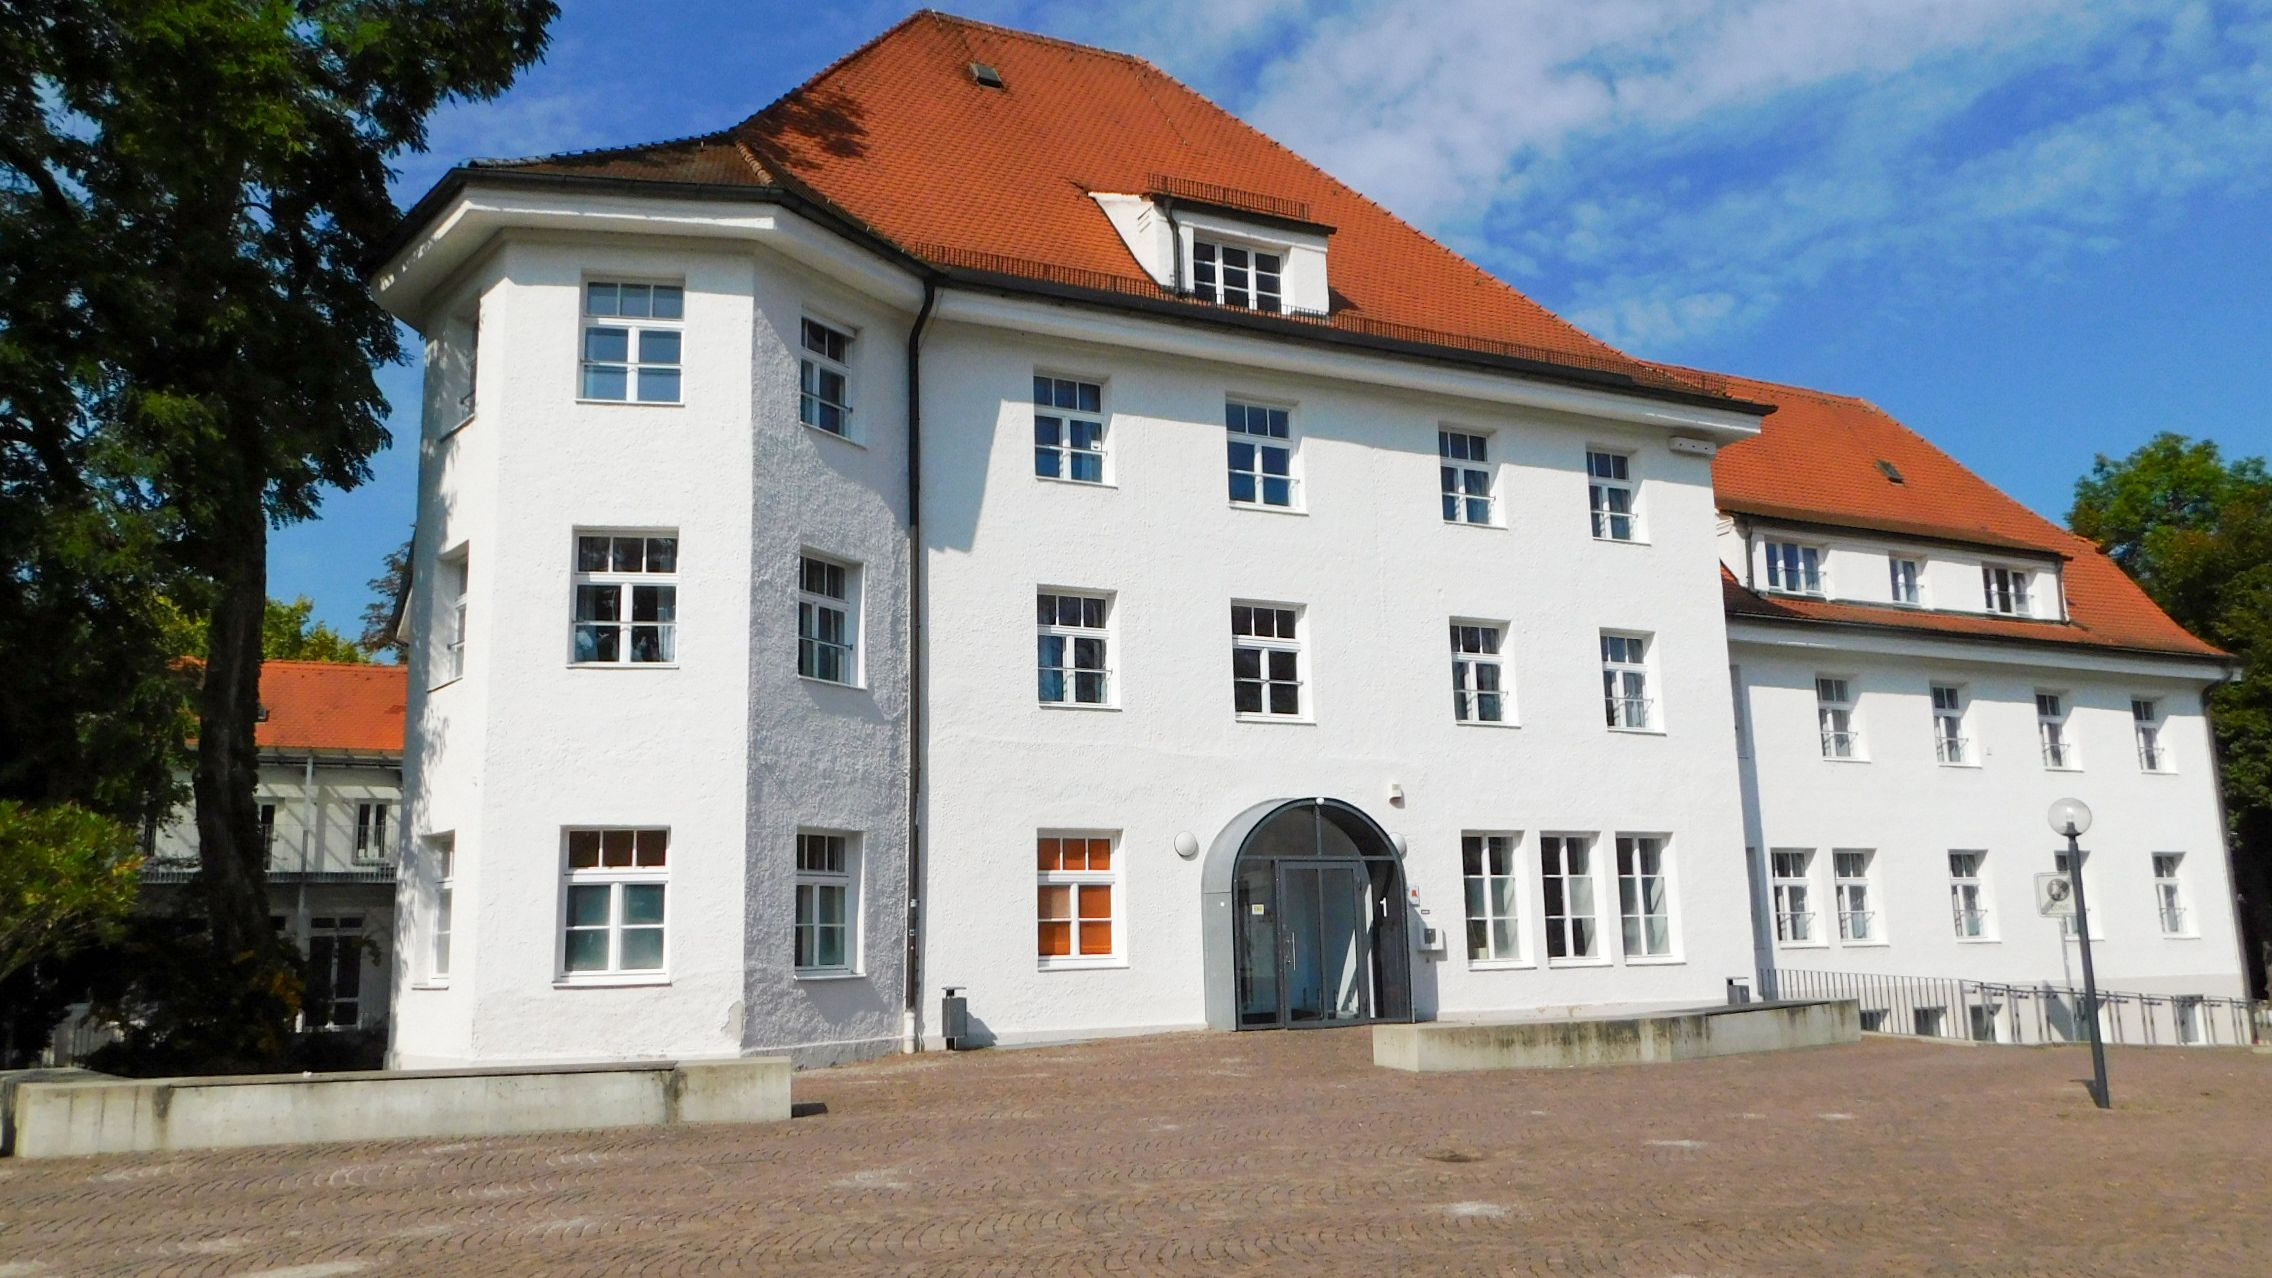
x,y
307,841
1175,245
2248,970
1749,573
912,1021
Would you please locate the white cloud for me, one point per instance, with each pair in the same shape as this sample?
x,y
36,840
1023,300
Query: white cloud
x,y
1666,170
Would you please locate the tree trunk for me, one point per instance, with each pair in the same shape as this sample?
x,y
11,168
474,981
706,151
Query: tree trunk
x,y
232,863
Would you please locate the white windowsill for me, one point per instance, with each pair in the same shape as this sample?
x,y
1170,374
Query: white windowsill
x,y
1621,541
1080,965
1640,732
1074,705
1261,508
1486,723
609,980
831,975
832,683
437,687
1984,940
1469,523
2174,936
1960,763
1288,719
1076,483
1501,965
622,665
1844,758
635,403
2066,768
2157,772
437,983
1603,961
1864,945
823,430
1803,945
446,432
1654,960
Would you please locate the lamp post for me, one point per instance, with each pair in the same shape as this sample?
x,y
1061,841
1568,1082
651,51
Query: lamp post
x,y
2072,817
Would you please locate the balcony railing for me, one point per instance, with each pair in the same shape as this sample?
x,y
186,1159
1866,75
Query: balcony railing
x,y
1971,923
1628,712
2058,754
1794,925
1857,925
1950,749
1841,745
2152,758
2173,920
1993,1012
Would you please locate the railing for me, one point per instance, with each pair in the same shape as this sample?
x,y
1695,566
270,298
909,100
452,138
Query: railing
x,y
1795,925
1994,1012
1841,745
1628,712
2151,757
1971,924
1857,925
1950,749
2058,754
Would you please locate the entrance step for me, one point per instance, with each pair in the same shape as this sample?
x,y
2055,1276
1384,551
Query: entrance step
x,y
1617,1040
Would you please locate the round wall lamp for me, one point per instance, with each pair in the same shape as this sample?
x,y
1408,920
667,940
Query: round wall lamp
x,y
1187,845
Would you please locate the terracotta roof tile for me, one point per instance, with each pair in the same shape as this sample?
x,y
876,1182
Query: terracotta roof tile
x,y
899,137
1816,459
325,705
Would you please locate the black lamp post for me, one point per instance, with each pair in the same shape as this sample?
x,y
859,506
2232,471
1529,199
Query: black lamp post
x,y
2072,817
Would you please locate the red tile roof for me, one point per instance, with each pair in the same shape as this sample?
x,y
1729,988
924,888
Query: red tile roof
x,y
899,138
1815,461
332,706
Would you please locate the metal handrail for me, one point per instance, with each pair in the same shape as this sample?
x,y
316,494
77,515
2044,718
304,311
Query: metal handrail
x,y
1841,745
2004,1012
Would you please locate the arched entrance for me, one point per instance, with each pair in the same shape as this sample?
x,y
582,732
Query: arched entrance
x,y
1304,920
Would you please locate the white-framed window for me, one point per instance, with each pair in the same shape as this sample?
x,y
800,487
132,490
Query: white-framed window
x,y
1857,902
825,933
1494,904
442,857
824,377
2146,723
1464,468
1260,454
1075,920
626,598
1236,276
632,334
1834,715
1610,494
2169,894
2051,731
1266,661
457,575
1791,885
1907,575
2185,1009
1644,896
264,822
1073,648
614,917
2004,590
1949,742
1794,569
1969,906
828,630
371,832
1566,881
1625,681
1068,429
1478,678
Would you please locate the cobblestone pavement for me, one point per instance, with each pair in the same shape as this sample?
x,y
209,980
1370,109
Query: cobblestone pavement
x,y
1284,1152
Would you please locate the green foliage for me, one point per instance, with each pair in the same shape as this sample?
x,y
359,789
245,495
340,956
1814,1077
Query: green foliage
x,y
68,877
288,632
390,593
185,1009
2195,530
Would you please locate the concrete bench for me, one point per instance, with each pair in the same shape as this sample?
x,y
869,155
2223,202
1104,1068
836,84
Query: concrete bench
x,y
1624,1040
120,1115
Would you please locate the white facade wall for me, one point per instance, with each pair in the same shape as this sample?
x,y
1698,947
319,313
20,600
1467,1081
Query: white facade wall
x,y
1378,575
1913,810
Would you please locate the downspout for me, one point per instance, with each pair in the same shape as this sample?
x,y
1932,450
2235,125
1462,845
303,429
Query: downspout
x,y
912,1027
307,838
2248,971
1749,573
1175,245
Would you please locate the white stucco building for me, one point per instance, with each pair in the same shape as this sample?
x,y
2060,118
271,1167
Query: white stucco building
x,y
330,800
993,521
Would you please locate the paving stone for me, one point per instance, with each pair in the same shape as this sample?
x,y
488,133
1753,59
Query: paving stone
x,y
1211,1153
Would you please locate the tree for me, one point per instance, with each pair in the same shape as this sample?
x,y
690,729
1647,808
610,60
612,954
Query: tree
x,y
2195,530
188,190
288,632
390,593
67,877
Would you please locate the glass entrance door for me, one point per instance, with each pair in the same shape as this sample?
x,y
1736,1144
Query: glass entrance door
x,y
1325,943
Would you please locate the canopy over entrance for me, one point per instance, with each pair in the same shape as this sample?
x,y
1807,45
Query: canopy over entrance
x,y
1303,919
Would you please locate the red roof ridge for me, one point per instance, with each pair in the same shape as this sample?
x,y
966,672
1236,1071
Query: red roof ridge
x,y
1811,392
333,665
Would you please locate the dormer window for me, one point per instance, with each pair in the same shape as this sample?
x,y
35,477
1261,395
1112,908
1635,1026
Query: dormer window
x,y
1235,276
2005,590
1793,568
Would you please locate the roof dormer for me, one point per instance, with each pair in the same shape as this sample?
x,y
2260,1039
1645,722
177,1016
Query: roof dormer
x,y
1230,247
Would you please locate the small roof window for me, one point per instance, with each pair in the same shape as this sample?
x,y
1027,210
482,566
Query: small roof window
x,y
1890,471
985,74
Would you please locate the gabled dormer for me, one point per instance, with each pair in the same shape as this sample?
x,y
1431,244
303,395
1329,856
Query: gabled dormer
x,y
1226,246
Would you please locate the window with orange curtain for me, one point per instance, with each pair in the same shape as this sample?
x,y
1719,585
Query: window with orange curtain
x,y
1073,899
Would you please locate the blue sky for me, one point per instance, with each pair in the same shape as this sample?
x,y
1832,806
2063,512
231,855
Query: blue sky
x,y
2035,230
